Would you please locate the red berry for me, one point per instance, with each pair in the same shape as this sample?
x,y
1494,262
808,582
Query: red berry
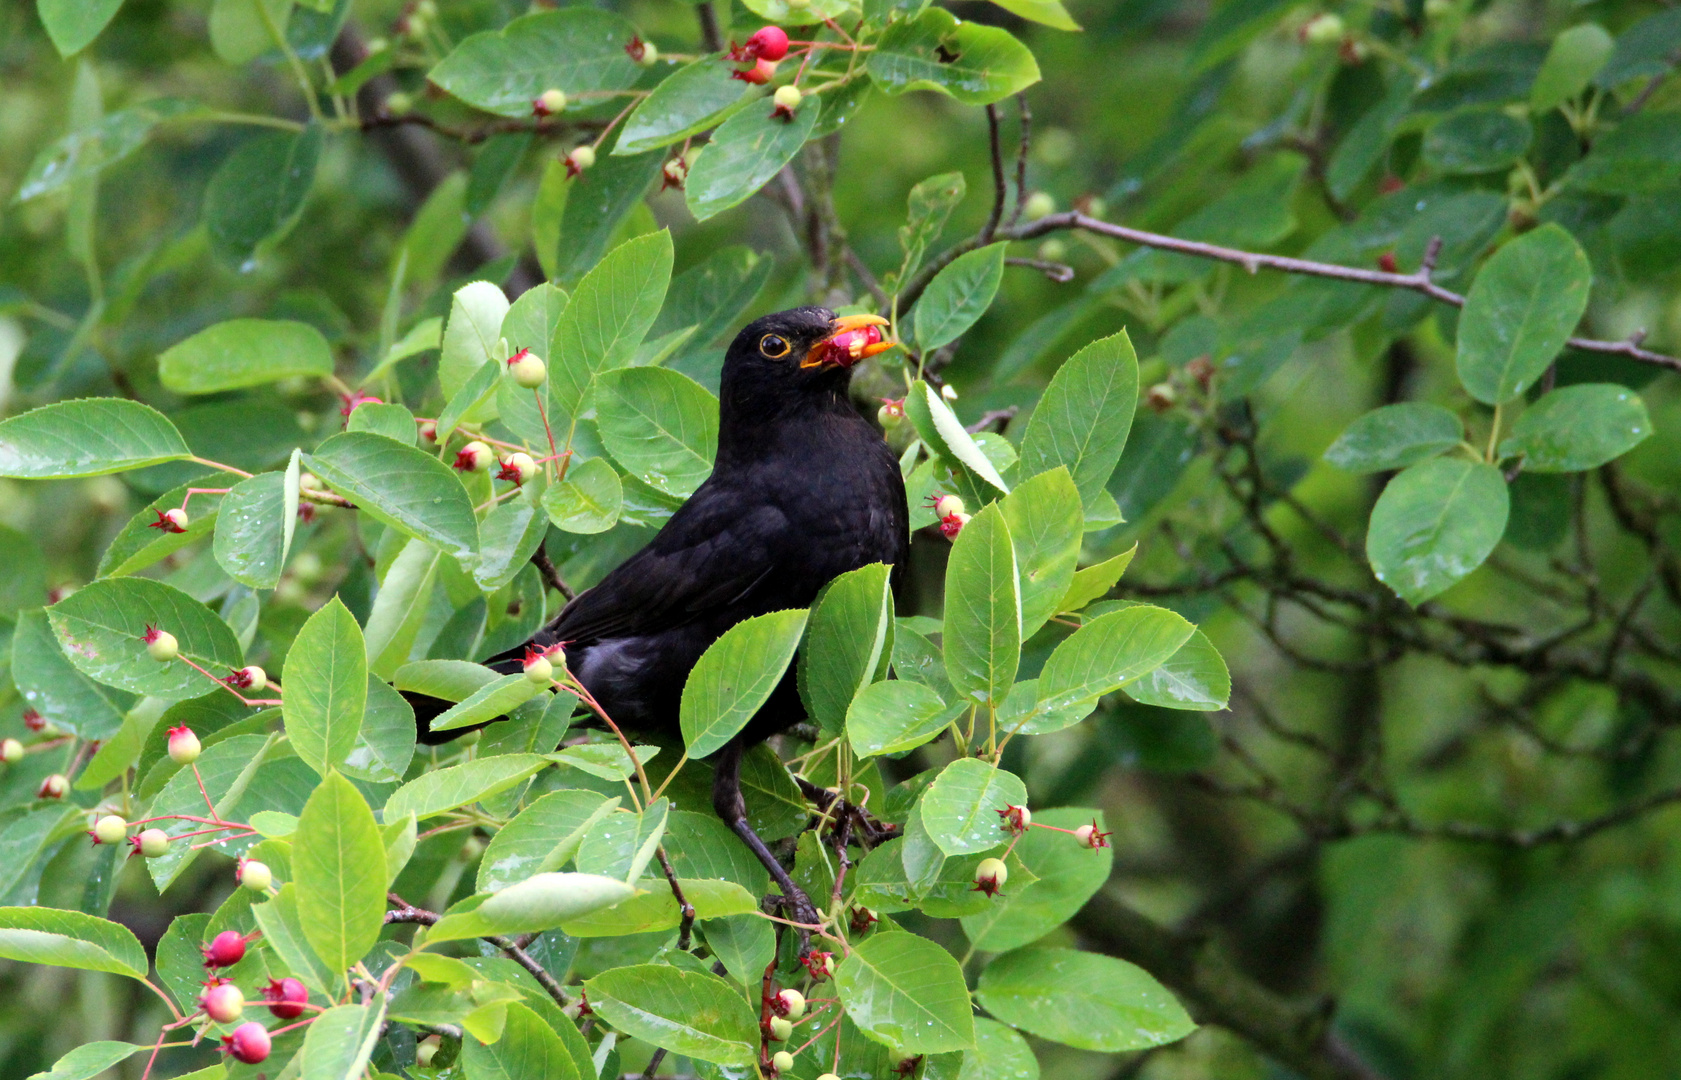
x,y
249,1042
286,998
1386,263
770,43
759,74
225,949
222,1001
33,720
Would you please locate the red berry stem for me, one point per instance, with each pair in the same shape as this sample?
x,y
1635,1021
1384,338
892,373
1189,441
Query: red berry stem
x,y
223,683
202,491
544,413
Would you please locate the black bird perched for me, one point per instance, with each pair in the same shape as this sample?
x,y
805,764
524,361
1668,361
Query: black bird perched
x,y
803,488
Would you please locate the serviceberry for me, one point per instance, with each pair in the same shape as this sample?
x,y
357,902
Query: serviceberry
x,y
222,1001
110,829
171,521
53,787
990,876
183,745
151,843
253,875
528,369
11,751
789,1003
549,102
286,997
225,949
161,644
249,1043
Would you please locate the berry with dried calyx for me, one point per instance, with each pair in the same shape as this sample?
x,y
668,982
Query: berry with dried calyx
x,y
225,949
538,667
11,751
1015,819
110,829
1202,369
183,745
222,1001
947,505
952,525
427,1049
517,467
759,74
1038,205
1353,52
862,919
787,99
990,876
249,1043
643,52
249,677
160,644
34,721
528,369
1161,397
151,843
767,43
474,457
53,787
549,102
782,1061
1323,29
429,431
820,965
286,998
171,521
828,1076
674,174
581,158
789,1003
1089,836
253,875
779,1030
891,412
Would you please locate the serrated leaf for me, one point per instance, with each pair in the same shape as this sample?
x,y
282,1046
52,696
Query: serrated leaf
x,y
850,628
1578,428
90,437
1082,999
577,50
326,683
607,318
1109,652
660,426
688,101
102,628
1523,305
406,488
1395,436
1193,678
1084,416
589,499
1435,523
975,64
908,992
983,610
340,904
958,296
743,155
445,789
71,939
735,676
1068,875
695,1015
961,808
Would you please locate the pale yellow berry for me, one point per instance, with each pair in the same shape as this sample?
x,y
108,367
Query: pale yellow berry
x,y
153,842
110,829
787,97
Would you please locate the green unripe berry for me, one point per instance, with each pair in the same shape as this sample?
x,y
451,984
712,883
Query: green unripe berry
x,y
1325,29
162,646
110,829
782,1061
183,745
153,842
11,751
780,1029
582,157
787,97
650,54
528,369
539,670
399,103
255,876
552,101
1038,205
789,1003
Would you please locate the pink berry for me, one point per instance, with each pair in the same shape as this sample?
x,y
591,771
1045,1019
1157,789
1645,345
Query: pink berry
x,y
286,998
225,949
770,43
759,74
249,1042
222,1001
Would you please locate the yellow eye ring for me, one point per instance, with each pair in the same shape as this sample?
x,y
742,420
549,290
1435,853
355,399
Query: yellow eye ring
x,y
773,346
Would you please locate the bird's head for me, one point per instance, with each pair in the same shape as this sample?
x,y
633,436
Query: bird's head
x,y
802,347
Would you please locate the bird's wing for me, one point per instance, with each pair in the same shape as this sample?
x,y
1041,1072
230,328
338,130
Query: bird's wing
x,y
714,551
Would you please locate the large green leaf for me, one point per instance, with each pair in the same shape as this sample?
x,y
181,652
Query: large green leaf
x,y
338,866
385,745
587,216
489,701
607,318
1395,436
1084,416
283,931
851,627
72,939
102,627
620,844
51,685
1046,522
244,352
140,544
339,1042
72,25
1082,999
691,1014
404,487
660,426
259,191
400,607
1578,428
1640,156
579,50
542,837
528,1048
540,902
745,154
1068,874
508,536
1573,59
254,536
90,1060
1193,678
1434,523
477,312
1000,1052
908,992
89,437
963,808
1522,307
326,687
894,716
1109,652
588,500
983,610
735,676
959,295
939,427
445,789
84,152
975,64
687,102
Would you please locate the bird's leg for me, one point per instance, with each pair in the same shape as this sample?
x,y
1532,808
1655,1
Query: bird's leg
x,y
732,808
870,830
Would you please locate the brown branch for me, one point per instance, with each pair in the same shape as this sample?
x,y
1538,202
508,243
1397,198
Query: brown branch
x,y
407,913
1000,187
1025,144
545,566
683,905
1061,273
709,33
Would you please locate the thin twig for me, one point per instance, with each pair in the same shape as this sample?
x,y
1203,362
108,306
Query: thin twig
x,y
1000,188
545,566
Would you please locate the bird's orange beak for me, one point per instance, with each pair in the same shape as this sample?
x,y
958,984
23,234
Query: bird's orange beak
x,y
854,338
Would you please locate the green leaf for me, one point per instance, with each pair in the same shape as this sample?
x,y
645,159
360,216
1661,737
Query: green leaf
x,y
508,536
476,314
907,992
1084,416
598,210
1523,305
227,768
340,1041
489,701
445,789
283,930
1477,140
983,610
72,939
959,295
589,499
929,205
578,50
607,760
784,13
84,152
51,685
254,537
660,426
1049,12
1576,55
894,716
735,676
400,607
620,844
1094,582
688,1013
687,102
88,1061
102,628
940,428
1578,428
341,904
539,902
257,194
72,25
1046,524
711,296
406,488
999,1054
244,352
851,627
1068,874
1109,652
497,160
385,745
1081,999
1647,48
1193,678
962,808
140,545
90,437
542,837
239,33
607,318
452,680
1434,523
326,687
475,400
1395,436
528,1048
975,64
745,154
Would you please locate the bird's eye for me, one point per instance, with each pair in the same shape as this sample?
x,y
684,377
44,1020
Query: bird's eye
x,y
773,346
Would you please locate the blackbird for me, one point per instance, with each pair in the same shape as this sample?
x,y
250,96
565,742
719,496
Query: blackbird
x,y
804,488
